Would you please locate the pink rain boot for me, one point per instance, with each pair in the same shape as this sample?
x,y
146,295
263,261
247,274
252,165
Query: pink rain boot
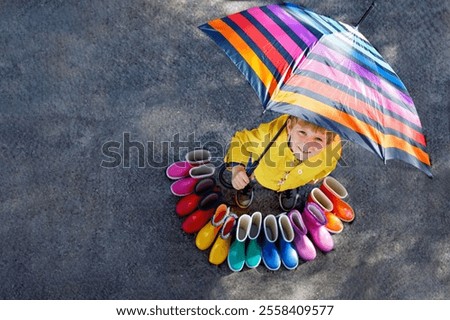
x,y
303,245
315,221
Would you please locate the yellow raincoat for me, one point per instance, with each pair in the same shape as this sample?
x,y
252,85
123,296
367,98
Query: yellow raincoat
x,y
280,170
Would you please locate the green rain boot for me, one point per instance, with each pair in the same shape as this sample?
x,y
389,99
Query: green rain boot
x,y
253,254
236,255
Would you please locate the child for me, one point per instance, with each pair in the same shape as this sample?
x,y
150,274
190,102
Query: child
x,y
303,153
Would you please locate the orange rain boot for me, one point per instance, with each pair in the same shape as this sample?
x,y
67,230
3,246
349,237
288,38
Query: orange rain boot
x,y
336,192
334,224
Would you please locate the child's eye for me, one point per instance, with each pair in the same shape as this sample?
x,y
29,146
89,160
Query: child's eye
x,y
318,139
303,133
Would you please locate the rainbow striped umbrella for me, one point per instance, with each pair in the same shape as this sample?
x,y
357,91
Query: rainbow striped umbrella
x,y
326,72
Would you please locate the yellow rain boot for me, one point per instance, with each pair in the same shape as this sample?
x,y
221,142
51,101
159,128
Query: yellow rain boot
x,y
219,251
206,236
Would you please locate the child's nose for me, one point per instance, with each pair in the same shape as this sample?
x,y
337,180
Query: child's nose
x,y
311,146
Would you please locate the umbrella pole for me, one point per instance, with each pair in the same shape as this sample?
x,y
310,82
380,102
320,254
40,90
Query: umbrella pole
x,y
253,165
365,15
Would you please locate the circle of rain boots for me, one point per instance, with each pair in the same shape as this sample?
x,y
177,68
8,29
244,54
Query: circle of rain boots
x,y
279,240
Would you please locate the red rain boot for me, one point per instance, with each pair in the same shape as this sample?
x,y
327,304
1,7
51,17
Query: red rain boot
x,y
197,220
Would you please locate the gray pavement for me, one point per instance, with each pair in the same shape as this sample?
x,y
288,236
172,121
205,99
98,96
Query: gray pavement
x,y
75,75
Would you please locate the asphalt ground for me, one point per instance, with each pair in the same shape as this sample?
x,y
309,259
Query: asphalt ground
x,y
76,75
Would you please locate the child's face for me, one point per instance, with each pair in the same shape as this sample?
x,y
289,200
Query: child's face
x,y
305,141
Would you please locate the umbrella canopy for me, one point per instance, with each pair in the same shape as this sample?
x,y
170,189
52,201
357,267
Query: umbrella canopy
x,y
326,72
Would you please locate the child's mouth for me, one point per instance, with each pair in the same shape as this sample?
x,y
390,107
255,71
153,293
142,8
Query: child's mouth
x,y
301,154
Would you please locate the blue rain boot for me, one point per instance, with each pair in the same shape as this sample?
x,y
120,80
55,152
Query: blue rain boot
x,y
270,254
289,256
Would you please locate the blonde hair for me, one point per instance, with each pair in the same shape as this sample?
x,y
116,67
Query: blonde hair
x,y
303,123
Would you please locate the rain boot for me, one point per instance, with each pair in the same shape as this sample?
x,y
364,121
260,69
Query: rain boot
x,y
236,255
205,186
179,170
270,255
197,220
206,236
188,185
334,224
289,256
336,192
183,169
315,221
303,245
202,171
188,204
253,252
198,157
184,186
221,246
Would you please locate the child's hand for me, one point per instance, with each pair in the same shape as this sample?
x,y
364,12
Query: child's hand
x,y
239,178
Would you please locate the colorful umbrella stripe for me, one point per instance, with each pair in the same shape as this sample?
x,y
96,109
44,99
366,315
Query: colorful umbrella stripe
x,y
326,72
